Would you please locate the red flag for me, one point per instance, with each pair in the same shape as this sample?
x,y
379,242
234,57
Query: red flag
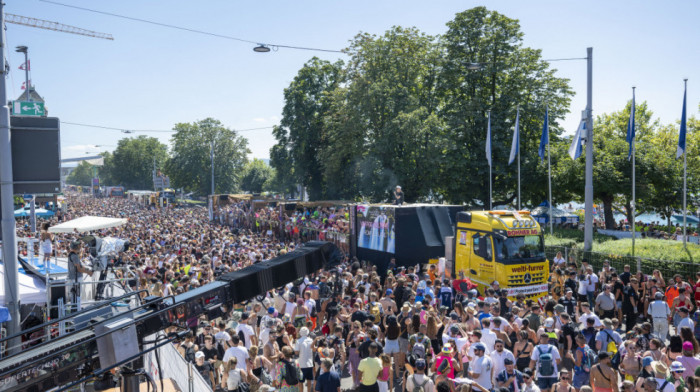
x,y
26,66
24,84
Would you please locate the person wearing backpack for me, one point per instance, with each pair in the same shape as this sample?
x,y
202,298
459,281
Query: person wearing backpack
x,y
661,377
546,358
607,339
369,369
584,359
419,381
289,378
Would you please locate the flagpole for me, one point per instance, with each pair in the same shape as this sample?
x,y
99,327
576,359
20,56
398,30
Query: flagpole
x,y
634,195
490,166
518,130
685,168
549,165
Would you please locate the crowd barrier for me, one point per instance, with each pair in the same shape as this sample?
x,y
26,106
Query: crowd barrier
x,y
173,366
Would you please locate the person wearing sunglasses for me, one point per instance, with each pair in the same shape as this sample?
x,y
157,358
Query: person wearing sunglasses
x,y
564,384
529,384
676,376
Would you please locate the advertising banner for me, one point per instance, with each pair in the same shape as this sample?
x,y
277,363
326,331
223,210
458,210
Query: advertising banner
x,y
528,290
376,228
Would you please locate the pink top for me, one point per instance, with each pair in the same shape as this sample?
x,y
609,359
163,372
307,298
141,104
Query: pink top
x,y
451,372
385,374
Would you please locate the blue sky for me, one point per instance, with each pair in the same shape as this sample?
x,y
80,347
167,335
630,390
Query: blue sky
x,y
152,77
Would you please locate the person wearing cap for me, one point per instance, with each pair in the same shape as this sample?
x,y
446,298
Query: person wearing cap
x,y
75,271
369,369
204,368
603,377
660,315
245,330
481,367
303,348
398,196
545,381
676,376
661,376
388,304
688,360
419,378
509,377
606,336
445,364
568,301
685,320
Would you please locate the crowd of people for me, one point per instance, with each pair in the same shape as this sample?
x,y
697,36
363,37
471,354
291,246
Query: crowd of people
x,y
411,328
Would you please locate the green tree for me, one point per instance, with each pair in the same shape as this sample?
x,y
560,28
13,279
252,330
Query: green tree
x,y
81,175
189,166
131,164
301,134
511,76
257,176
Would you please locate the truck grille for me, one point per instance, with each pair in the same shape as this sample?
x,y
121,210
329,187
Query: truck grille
x,y
519,280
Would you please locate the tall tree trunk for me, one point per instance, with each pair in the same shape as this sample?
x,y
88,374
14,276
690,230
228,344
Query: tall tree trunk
x,y
608,211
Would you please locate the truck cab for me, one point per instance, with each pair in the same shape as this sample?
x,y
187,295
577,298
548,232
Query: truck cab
x,y
504,246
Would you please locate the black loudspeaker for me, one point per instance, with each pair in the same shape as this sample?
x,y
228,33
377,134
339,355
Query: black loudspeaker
x,y
290,206
264,277
56,293
244,284
223,197
284,271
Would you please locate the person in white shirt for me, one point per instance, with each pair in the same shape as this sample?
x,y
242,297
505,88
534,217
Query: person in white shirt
x,y
239,352
454,336
559,261
498,356
591,286
304,349
488,337
545,382
222,337
686,321
586,314
660,316
481,367
248,332
529,384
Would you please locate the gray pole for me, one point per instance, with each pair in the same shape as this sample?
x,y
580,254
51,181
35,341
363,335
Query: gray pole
x,y
588,228
26,75
32,214
212,168
490,167
9,235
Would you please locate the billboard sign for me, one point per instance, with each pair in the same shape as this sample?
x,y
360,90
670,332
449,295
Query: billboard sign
x,y
376,228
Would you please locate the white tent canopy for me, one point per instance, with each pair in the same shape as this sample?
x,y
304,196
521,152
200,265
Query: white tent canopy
x,y
32,290
87,223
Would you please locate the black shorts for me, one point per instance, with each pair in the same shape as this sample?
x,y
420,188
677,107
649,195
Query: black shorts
x,y
308,373
582,298
369,388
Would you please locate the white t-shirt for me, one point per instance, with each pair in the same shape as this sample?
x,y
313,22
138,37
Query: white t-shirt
x,y
584,317
460,342
546,349
306,355
591,286
483,366
222,337
488,337
686,322
247,332
241,355
499,359
582,284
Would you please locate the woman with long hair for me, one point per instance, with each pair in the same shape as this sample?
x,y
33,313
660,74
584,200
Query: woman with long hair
x,y
432,331
688,336
46,240
233,376
522,350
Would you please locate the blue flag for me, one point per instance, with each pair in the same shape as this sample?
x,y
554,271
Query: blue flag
x,y
577,142
681,137
488,141
631,128
545,134
515,147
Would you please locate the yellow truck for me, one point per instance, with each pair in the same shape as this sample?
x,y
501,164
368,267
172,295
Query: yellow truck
x,y
503,246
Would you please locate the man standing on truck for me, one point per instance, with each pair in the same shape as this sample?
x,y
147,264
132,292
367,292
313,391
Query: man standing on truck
x,y
398,196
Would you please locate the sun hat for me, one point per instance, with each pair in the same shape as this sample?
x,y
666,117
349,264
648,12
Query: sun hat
x,y
646,361
677,367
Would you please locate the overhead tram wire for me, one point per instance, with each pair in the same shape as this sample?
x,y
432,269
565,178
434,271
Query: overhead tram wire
x,y
127,130
229,37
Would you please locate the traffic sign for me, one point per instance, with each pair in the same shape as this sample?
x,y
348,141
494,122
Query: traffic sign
x,y
25,108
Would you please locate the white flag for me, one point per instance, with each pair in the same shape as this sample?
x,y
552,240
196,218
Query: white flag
x,y
516,139
577,142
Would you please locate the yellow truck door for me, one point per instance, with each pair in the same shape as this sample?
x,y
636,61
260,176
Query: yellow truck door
x,y
481,265
462,253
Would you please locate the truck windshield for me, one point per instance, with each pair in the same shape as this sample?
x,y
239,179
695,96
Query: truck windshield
x,y
515,249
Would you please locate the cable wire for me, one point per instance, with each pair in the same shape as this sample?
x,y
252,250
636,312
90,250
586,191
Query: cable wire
x,y
190,29
126,130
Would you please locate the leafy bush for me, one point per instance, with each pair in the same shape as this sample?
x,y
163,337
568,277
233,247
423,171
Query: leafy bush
x,y
651,249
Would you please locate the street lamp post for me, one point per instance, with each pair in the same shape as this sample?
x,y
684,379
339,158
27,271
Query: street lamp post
x,y
25,50
588,219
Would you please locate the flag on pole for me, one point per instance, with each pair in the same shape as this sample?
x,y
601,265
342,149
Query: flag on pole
x,y
631,128
577,143
488,141
25,66
24,85
681,137
516,140
545,134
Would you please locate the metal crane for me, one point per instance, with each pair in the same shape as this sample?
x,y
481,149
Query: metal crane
x,y
55,26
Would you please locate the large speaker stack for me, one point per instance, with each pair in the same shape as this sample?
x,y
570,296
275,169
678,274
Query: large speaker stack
x,y
259,278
